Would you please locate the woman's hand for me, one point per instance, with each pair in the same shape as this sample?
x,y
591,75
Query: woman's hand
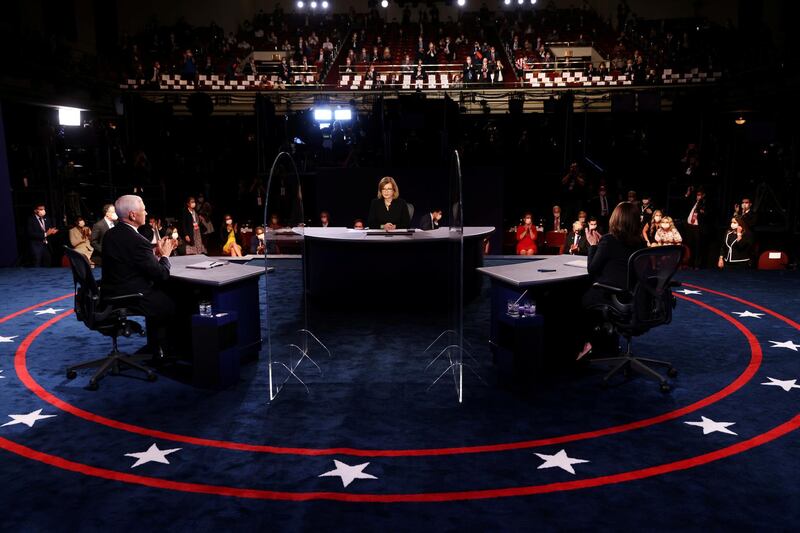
x,y
721,263
389,226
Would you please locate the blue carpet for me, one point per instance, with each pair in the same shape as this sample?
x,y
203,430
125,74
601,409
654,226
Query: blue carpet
x,y
433,464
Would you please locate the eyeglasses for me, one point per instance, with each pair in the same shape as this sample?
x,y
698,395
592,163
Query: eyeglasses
x,y
388,189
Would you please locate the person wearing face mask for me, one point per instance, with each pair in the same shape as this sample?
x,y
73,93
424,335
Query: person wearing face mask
x,y
651,227
228,237
80,239
592,232
576,243
99,230
39,229
258,244
736,246
667,233
190,228
526,236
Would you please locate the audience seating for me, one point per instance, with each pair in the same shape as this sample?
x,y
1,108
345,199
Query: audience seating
x,y
773,260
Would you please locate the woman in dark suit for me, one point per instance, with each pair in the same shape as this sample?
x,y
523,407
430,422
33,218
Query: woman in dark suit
x,y
388,211
608,261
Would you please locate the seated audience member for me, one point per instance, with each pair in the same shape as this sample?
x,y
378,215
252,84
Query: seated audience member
x,y
99,229
80,239
526,236
258,244
152,231
190,228
592,232
582,218
275,222
608,261
557,223
651,227
736,246
431,221
575,243
358,224
324,219
388,211
130,266
667,233
229,230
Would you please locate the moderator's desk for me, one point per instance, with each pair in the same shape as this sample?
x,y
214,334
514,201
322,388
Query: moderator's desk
x,y
524,346
409,268
231,287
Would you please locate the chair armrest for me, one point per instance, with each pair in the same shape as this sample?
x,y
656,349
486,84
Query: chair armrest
x,y
123,297
609,288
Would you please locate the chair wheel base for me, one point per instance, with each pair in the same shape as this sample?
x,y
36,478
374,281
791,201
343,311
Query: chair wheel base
x,y
71,374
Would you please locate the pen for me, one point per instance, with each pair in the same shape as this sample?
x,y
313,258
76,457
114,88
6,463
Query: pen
x,y
547,270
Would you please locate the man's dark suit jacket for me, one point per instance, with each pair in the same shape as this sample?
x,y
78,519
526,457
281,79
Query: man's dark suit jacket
x,y
35,232
583,244
146,231
98,232
426,223
187,226
129,265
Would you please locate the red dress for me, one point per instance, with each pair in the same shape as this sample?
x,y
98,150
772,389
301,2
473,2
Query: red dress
x,y
527,243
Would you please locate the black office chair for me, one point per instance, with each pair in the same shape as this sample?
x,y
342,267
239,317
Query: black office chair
x,y
106,316
646,302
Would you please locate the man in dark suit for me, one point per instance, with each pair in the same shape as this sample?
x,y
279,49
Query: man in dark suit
x,y
695,229
468,74
600,206
99,230
431,221
576,243
131,266
557,222
39,229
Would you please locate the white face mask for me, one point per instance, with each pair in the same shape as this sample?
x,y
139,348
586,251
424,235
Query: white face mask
x,y
114,216
260,236
175,235
229,222
81,224
734,226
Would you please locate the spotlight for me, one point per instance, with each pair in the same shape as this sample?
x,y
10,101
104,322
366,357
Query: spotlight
x,y
462,2
740,120
507,2
343,114
325,5
520,2
300,4
384,3
313,5
69,116
533,2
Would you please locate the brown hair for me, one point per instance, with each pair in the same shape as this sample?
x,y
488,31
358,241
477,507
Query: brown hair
x,y
624,224
386,180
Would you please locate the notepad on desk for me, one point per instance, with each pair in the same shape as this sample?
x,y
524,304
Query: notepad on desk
x,y
580,263
205,265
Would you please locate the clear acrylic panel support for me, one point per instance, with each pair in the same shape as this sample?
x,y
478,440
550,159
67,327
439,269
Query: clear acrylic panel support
x,y
290,342
449,345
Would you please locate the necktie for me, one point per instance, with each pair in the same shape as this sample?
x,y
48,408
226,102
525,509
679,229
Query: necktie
x,y
604,206
693,219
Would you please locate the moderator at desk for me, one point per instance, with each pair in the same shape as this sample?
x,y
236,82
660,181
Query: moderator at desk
x,y
230,288
525,346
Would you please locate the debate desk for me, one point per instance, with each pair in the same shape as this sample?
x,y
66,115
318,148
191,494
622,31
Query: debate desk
x,y
231,288
530,346
347,265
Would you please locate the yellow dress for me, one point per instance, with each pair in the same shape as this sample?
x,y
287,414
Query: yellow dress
x,y
226,249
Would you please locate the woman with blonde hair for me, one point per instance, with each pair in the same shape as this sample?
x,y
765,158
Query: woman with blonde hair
x,y
667,233
230,246
388,211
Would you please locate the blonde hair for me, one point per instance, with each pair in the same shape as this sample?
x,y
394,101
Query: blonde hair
x,y
669,220
386,180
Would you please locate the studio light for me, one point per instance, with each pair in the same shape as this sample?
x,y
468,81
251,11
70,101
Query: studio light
x,y
520,2
323,114
300,4
507,2
69,116
462,2
533,2
384,3
313,5
343,114
740,120
324,5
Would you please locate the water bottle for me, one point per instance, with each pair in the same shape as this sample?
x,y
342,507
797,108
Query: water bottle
x,y
205,308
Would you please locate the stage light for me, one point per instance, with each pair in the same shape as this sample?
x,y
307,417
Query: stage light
x,y
343,114
384,3
300,4
313,5
533,2
323,114
507,2
462,2
740,121
324,5
69,116
520,2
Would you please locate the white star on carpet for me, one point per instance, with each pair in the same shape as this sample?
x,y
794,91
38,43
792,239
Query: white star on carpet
x,y
787,344
29,420
748,314
48,311
8,339
3,377
560,460
786,384
709,426
153,454
348,473
689,291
